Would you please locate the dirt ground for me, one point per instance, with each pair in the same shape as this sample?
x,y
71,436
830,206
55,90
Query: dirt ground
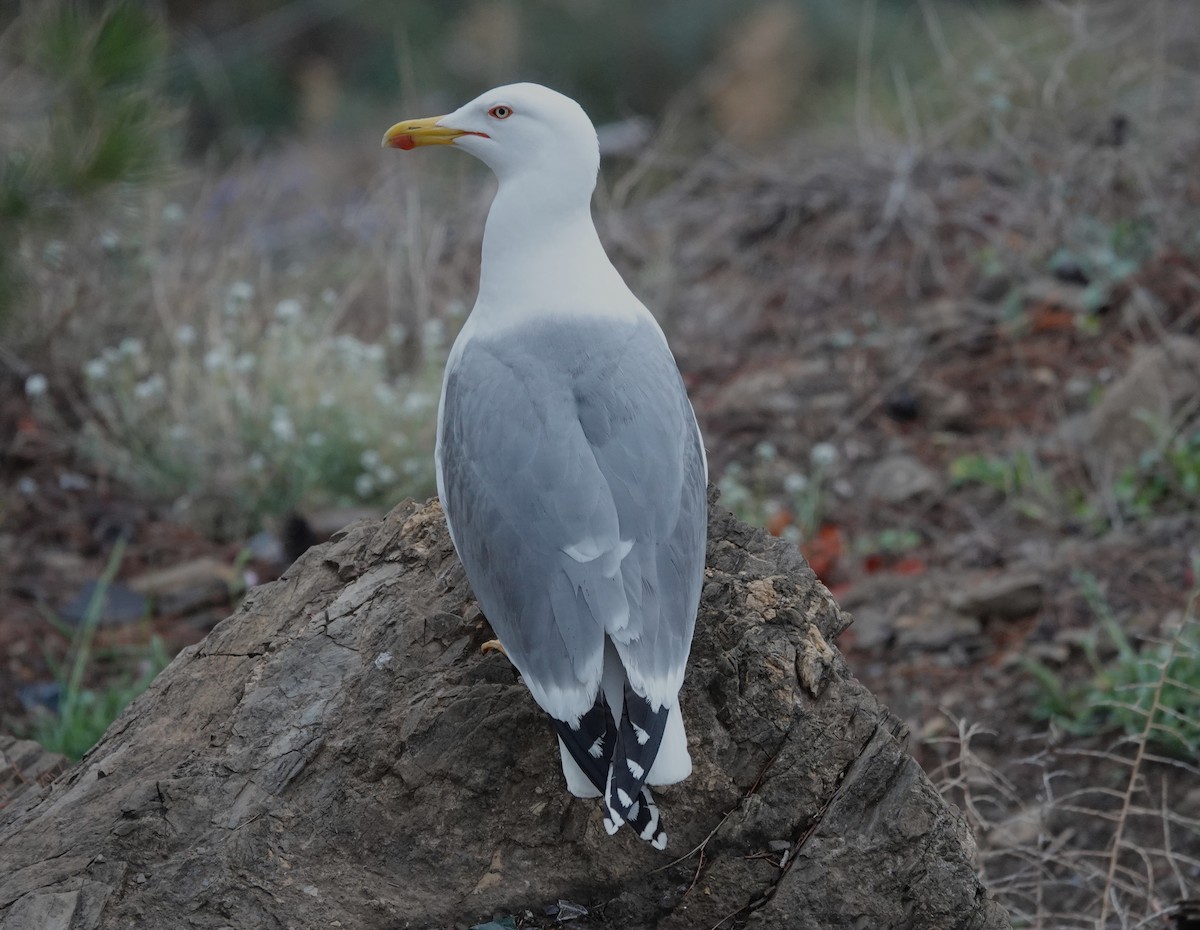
x,y
858,308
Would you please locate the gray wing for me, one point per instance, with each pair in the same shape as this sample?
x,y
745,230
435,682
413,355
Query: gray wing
x,y
574,483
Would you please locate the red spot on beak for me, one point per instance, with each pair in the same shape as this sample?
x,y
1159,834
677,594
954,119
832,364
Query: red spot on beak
x,y
404,142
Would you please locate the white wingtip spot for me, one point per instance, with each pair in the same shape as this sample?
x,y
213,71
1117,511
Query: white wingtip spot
x,y
660,841
634,769
611,827
633,811
597,748
642,736
624,798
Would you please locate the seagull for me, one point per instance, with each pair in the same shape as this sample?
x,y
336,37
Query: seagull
x,y
570,465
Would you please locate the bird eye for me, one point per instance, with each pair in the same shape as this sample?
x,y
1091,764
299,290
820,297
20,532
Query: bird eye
x,y
500,112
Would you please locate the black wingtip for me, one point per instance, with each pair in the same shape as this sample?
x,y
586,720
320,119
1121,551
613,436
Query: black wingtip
x,y
591,743
639,737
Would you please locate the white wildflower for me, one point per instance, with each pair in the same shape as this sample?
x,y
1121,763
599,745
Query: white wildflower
x,y
256,461
96,368
348,346
433,336
185,335
397,333
326,398
329,296
823,454
281,425
417,401
149,387
384,394
109,240
373,352
385,475
316,440
288,310
795,483
73,481
179,432
35,385
131,346
766,451
370,459
26,486
245,362
172,213
364,485
216,358
241,291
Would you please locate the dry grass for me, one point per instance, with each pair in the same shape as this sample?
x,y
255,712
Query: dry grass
x,y
1085,835
236,341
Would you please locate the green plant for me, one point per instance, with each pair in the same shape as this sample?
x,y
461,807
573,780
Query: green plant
x,y
1020,478
1163,476
797,512
891,541
84,713
243,419
104,121
1107,256
1153,690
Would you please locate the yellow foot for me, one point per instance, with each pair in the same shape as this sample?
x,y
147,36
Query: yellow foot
x,y
493,645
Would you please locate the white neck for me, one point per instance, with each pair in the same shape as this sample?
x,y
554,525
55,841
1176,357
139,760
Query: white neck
x,y
543,257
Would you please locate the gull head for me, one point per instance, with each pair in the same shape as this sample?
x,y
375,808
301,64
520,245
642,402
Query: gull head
x,y
518,130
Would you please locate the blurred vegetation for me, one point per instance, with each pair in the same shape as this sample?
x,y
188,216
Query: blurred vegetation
x,y
84,713
1150,690
114,108
99,118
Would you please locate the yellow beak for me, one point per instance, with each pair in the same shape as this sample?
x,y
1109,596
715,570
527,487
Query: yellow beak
x,y
414,132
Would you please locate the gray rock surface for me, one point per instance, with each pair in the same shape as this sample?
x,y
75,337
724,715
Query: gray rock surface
x,y
1157,394
339,753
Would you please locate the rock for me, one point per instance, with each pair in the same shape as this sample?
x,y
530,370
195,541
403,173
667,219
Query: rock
x,y
1007,596
899,478
789,387
902,404
117,605
932,628
185,588
25,766
947,408
876,602
992,287
281,774
1140,406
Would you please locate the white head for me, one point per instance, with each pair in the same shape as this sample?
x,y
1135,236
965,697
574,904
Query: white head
x,y
519,131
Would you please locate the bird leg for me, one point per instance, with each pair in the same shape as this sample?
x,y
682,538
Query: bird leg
x,y
493,645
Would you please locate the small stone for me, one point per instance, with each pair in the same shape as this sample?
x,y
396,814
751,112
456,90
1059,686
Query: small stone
x,y
934,628
117,605
992,288
902,404
1155,391
1009,596
899,478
